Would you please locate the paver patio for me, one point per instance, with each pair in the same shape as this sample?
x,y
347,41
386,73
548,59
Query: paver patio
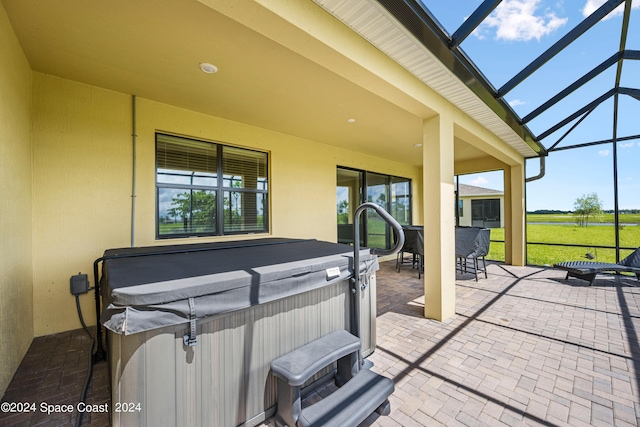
x,y
526,347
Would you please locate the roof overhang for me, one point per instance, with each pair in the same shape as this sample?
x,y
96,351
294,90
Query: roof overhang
x,y
402,30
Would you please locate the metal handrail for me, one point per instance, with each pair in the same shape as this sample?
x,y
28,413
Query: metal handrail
x,y
376,251
357,287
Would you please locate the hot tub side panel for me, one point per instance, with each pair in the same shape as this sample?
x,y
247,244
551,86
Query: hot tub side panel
x,y
224,380
368,314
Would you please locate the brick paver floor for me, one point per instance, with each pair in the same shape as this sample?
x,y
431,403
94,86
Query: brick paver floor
x,y
525,347
54,372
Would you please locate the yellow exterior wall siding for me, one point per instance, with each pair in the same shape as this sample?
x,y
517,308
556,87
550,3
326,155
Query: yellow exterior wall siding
x,y
81,196
16,292
83,172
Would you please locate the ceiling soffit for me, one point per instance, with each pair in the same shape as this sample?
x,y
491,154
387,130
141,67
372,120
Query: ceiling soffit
x,y
380,28
152,50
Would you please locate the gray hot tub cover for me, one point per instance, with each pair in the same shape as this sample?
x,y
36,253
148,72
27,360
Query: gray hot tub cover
x,y
143,290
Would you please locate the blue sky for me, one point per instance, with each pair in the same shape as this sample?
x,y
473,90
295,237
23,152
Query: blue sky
x,y
515,34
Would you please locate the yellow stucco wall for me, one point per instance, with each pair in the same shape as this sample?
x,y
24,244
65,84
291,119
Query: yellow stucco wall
x,y
83,176
16,307
81,196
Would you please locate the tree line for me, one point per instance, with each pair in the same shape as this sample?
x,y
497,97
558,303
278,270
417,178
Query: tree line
x,y
561,212
587,208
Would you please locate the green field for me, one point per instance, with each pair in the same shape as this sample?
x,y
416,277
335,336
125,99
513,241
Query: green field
x,y
624,218
559,229
568,233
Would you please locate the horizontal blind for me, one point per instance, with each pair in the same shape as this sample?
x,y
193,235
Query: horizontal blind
x,y
208,188
186,155
244,168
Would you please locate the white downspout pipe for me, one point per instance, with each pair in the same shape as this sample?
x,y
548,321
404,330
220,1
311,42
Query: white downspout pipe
x,y
133,180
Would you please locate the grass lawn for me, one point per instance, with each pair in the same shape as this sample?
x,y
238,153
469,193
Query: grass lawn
x,y
597,235
624,218
561,230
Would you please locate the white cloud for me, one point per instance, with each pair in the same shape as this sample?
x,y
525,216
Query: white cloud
x,y
479,33
516,102
603,153
592,5
627,145
517,20
479,181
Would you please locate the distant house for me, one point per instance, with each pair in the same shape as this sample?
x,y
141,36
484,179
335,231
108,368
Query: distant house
x,y
480,207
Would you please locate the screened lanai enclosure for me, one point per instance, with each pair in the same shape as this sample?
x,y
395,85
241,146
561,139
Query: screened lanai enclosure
x,y
565,76
305,104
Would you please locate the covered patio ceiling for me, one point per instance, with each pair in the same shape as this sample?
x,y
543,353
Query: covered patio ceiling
x,y
300,87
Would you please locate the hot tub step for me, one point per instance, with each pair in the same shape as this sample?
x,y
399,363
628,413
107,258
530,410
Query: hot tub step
x,y
301,364
350,404
360,393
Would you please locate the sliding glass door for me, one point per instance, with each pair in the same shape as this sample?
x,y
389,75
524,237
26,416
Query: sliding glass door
x,y
348,197
377,192
389,192
485,213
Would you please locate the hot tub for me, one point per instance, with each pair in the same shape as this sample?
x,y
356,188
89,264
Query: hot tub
x,y
192,329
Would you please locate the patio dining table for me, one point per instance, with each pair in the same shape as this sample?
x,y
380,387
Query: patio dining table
x,y
471,244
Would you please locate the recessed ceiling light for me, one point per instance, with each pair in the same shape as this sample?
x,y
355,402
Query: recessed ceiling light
x,y
351,120
208,68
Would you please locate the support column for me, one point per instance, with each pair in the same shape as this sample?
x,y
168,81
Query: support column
x,y
515,216
439,218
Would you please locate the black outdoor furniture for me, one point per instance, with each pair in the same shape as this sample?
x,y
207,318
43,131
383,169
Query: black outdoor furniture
x,y
587,270
414,245
472,243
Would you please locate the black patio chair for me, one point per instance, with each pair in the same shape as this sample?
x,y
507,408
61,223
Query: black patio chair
x,y
413,245
472,244
587,270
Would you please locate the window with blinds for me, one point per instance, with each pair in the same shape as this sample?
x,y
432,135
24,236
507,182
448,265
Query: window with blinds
x,y
205,189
